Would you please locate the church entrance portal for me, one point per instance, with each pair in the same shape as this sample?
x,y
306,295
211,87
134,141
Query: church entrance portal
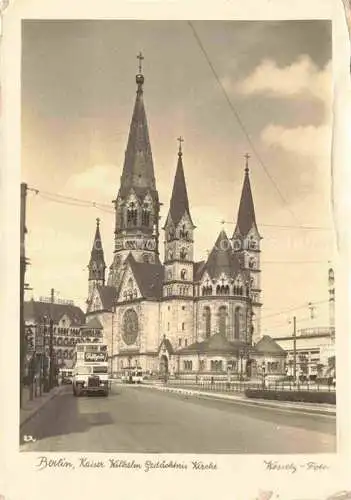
x,y
163,365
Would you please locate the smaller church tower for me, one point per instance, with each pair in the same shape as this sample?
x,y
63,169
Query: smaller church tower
x,y
179,242
97,264
178,285
246,243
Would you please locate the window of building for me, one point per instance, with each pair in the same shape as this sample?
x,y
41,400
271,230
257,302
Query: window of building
x,y
216,365
167,326
202,365
179,342
207,321
188,365
145,215
237,315
132,215
183,274
183,308
186,342
222,320
183,254
183,326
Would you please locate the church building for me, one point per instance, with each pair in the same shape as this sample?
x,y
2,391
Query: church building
x,y
177,316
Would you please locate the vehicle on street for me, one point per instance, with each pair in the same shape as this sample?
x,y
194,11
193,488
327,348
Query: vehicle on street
x,y
90,369
65,376
132,376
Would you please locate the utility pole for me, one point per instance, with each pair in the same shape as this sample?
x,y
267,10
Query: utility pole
x,y
294,348
51,338
23,231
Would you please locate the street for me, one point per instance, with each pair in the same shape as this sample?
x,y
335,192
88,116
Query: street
x,y
142,420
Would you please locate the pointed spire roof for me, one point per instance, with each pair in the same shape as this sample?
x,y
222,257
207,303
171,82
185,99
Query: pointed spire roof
x,y
221,259
97,252
179,200
138,168
246,214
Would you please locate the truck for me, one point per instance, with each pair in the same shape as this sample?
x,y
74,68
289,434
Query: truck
x,y
90,369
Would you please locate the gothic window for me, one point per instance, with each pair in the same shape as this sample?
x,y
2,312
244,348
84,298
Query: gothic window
x,y
218,290
237,323
183,233
132,215
171,234
207,321
169,274
222,320
252,243
183,274
183,254
170,255
252,263
207,290
202,365
145,215
130,326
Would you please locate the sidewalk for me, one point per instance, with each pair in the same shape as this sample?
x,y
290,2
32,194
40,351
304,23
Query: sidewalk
x,y
316,408
30,408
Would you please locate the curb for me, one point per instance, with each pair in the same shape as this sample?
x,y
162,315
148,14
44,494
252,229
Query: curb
x,y
246,402
29,417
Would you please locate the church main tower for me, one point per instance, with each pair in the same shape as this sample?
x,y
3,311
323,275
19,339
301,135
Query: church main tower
x,y
137,204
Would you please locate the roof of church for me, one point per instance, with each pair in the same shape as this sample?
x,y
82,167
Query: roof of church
x,y
97,252
149,277
179,200
267,345
35,311
221,259
138,168
198,266
215,344
93,324
246,214
108,295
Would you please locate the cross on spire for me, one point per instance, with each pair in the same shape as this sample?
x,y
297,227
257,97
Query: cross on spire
x,y
247,157
180,140
141,58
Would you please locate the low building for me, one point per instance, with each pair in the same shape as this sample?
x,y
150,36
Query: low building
x,y
315,351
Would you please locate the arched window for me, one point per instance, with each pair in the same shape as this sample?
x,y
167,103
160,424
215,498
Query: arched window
x,y
252,263
169,274
207,321
183,274
237,323
183,254
222,320
145,215
218,290
132,215
170,255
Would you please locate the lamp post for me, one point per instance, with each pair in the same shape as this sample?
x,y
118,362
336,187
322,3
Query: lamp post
x,y
263,374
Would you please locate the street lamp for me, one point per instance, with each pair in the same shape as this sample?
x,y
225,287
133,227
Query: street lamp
x,y
263,374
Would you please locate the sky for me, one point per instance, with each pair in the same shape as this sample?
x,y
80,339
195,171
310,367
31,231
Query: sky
x,y
229,88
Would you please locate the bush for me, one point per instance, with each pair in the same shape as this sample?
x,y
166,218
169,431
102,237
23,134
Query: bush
x,y
297,396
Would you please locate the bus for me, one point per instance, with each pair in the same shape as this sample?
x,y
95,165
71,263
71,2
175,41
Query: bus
x,y
132,375
90,369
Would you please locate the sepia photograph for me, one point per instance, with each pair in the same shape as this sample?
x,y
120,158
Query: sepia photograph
x,y
178,249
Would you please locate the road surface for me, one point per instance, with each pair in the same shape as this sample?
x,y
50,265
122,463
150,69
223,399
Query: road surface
x,y
142,420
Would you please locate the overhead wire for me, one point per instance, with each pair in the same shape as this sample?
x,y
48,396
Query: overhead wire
x,y
240,121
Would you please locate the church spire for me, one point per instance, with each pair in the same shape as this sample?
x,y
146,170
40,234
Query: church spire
x,y
246,214
138,168
179,201
97,264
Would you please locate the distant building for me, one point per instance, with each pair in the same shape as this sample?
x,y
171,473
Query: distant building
x,y
69,327
164,316
315,350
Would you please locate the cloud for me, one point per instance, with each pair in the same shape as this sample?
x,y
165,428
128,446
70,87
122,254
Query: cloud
x,y
307,141
302,77
99,181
